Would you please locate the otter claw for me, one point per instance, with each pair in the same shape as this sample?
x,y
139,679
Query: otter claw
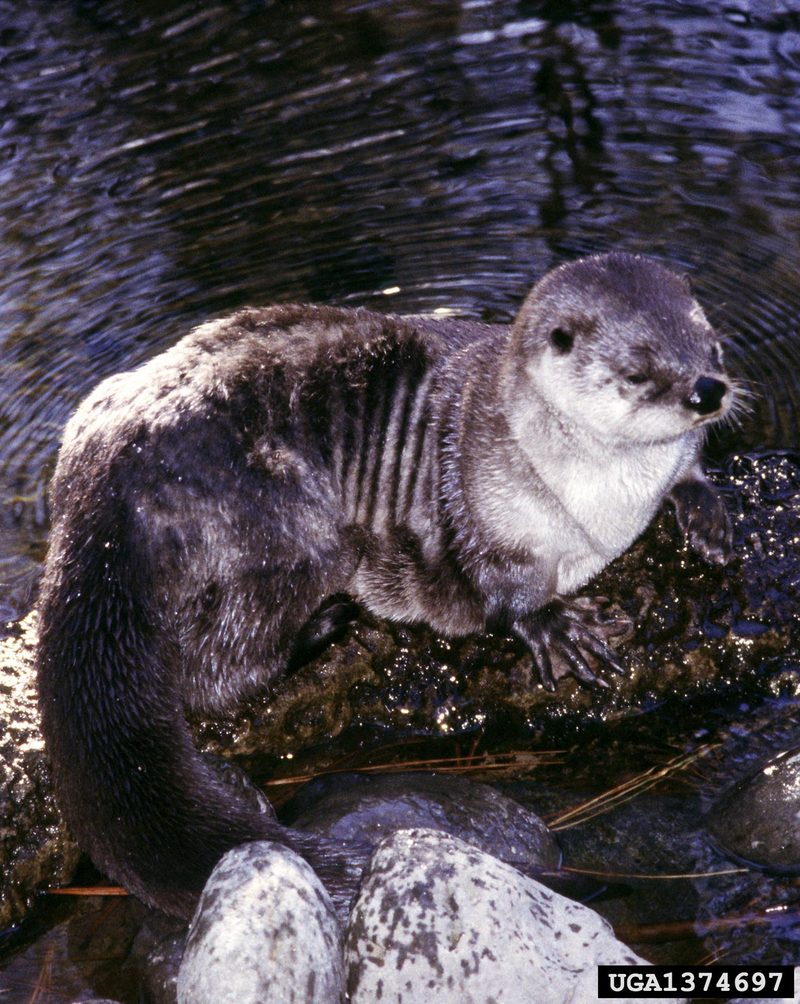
x,y
544,665
563,640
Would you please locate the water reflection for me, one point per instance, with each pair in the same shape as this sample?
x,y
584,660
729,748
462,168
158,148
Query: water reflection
x,y
162,163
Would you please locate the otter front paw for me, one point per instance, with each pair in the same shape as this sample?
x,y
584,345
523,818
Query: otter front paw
x,y
704,521
568,638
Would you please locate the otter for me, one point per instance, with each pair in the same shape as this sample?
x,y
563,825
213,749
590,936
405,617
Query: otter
x,y
207,504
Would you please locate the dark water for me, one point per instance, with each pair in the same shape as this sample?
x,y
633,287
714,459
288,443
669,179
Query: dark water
x,y
161,163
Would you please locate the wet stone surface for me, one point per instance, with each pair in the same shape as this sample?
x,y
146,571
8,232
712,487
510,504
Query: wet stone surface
x,y
35,849
758,820
359,808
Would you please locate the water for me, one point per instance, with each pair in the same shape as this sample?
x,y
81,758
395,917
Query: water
x,y
164,162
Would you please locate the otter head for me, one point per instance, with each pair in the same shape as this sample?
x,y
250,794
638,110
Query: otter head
x,y
617,347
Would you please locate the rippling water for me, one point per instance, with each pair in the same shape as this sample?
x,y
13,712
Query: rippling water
x,y
160,163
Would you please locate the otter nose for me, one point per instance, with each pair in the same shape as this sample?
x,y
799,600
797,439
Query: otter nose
x,y
706,396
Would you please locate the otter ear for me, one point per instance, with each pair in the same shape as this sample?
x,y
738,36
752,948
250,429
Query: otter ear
x,y
561,340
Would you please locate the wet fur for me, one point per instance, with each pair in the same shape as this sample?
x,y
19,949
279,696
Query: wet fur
x,y
207,504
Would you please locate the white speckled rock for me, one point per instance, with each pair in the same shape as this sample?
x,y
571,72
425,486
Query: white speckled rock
x,y
264,930
439,920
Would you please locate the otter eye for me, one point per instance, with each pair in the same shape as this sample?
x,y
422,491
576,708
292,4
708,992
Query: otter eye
x,y
562,340
637,378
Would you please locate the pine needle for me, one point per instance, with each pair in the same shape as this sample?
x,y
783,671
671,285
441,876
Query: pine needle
x,y
628,790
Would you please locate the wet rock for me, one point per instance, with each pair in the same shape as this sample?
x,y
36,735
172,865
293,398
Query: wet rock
x,y
35,849
741,748
157,953
758,820
364,808
264,929
437,919
652,835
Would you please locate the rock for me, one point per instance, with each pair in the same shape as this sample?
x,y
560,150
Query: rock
x,y
35,849
363,808
264,930
157,952
439,920
758,819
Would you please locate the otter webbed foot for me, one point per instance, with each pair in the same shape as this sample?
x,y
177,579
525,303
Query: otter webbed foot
x,y
704,520
569,638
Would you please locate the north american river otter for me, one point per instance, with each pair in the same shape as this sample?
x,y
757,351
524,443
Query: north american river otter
x,y
464,475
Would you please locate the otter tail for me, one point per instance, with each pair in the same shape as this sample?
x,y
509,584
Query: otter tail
x,y
135,792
